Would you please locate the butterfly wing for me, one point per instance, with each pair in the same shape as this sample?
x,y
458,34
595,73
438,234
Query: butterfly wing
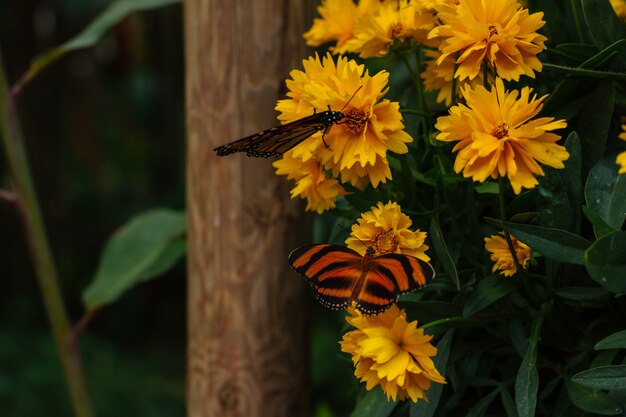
x,y
387,277
332,270
277,140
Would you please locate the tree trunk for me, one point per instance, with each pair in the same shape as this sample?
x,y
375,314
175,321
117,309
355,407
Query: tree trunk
x,y
247,339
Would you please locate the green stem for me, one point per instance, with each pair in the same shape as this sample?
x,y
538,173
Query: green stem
x,y
417,82
507,236
32,221
472,320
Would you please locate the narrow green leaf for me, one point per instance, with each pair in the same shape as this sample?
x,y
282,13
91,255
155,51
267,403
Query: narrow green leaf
x,y
527,384
571,175
604,26
592,400
556,244
428,408
614,341
508,403
579,51
585,73
374,403
527,380
604,55
605,377
605,192
147,244
581,293
442,252
594,122
488,291
605,261
600,227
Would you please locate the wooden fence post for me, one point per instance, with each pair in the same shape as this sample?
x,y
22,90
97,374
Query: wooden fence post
x,y
247,338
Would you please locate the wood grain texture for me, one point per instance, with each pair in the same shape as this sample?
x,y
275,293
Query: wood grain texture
x,y
247,336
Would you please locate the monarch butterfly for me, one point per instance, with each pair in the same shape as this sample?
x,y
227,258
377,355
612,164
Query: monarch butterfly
x,y
276,141
340,276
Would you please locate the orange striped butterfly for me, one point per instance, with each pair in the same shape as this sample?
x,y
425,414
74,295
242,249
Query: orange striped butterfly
x,y
341,276
276,141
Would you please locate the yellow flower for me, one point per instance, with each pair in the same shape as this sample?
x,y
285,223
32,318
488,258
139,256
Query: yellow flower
x,y
433,4
397,20
621,158
386,229
499,32
357,147
620,8
391,352
501,254
337,22
497,136
438,77
313,184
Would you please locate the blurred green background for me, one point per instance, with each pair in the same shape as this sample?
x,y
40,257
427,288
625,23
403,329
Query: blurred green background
x,y
105,131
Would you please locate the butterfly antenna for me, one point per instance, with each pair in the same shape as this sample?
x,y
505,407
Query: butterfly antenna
x,y
348,102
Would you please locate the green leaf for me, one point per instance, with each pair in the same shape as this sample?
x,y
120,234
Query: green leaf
x,y
481,406
585,73
441,249
578,51
527,380
600,228
508,403
604,26
488,291
595,121
571,175
605,377
428,408
614,341
555,208
374,403
605,261
592,401
89,36
556,244
581,293
487,187
148,244
605,192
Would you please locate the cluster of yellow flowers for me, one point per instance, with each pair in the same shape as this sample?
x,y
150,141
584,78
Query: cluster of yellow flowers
x,y
354,151
471,47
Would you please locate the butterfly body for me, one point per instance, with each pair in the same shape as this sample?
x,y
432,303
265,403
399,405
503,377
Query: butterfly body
x,y
278,140
341,276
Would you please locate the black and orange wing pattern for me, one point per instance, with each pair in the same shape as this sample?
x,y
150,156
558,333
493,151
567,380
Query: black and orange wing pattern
x,y
340,276
276,141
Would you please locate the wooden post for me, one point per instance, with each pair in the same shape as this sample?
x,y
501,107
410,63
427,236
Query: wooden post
x,y
247,339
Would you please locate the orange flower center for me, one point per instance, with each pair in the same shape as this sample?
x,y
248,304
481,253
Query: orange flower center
x,y
395,30
501,131
356,121
492,31
385,242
